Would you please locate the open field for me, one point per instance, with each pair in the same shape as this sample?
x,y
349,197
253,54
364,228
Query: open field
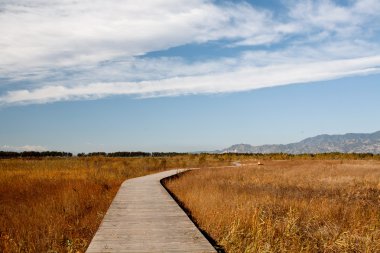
x,y
56,205
287,206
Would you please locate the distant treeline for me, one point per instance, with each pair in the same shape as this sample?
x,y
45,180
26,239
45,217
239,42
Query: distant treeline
x,y
132,154
34,154
274,156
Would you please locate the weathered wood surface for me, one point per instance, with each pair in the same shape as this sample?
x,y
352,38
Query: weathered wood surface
x,y
143,217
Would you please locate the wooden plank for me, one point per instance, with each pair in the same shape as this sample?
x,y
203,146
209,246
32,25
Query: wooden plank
x,y
143,217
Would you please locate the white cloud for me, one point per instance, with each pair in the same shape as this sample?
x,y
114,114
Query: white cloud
x,y
39,34
246,78
86,49
345,21
23,148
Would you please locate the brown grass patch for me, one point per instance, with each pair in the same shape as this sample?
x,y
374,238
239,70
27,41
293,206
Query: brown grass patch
x,y
56,205
287,206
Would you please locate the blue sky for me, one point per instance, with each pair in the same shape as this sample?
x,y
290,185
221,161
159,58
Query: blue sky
x,y
185,75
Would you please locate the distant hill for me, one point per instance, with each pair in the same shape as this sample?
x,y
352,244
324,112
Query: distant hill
x,y
347,143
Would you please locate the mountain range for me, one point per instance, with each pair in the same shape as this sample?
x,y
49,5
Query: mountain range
x,y
347,143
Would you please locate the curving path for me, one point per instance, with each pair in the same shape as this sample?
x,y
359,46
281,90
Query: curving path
x,y
143,217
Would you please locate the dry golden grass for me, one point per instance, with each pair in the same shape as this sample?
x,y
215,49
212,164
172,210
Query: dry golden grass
x,y
56,205
287,206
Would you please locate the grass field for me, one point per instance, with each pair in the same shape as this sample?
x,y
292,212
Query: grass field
x,y
286,206
56,205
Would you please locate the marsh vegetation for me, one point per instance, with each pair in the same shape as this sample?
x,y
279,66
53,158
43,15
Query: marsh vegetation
x,y
299,204
56,204
286,206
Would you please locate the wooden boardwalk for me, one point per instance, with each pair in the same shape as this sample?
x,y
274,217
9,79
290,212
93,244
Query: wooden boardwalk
x,y
143,217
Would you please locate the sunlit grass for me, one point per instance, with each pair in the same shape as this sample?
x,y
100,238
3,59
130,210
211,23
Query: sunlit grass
x,y
56,205
287,206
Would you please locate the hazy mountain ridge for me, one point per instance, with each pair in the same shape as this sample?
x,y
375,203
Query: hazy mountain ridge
x,y
347,143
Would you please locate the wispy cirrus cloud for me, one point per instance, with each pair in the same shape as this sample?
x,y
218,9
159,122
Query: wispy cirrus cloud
x,y
71,50
240,80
